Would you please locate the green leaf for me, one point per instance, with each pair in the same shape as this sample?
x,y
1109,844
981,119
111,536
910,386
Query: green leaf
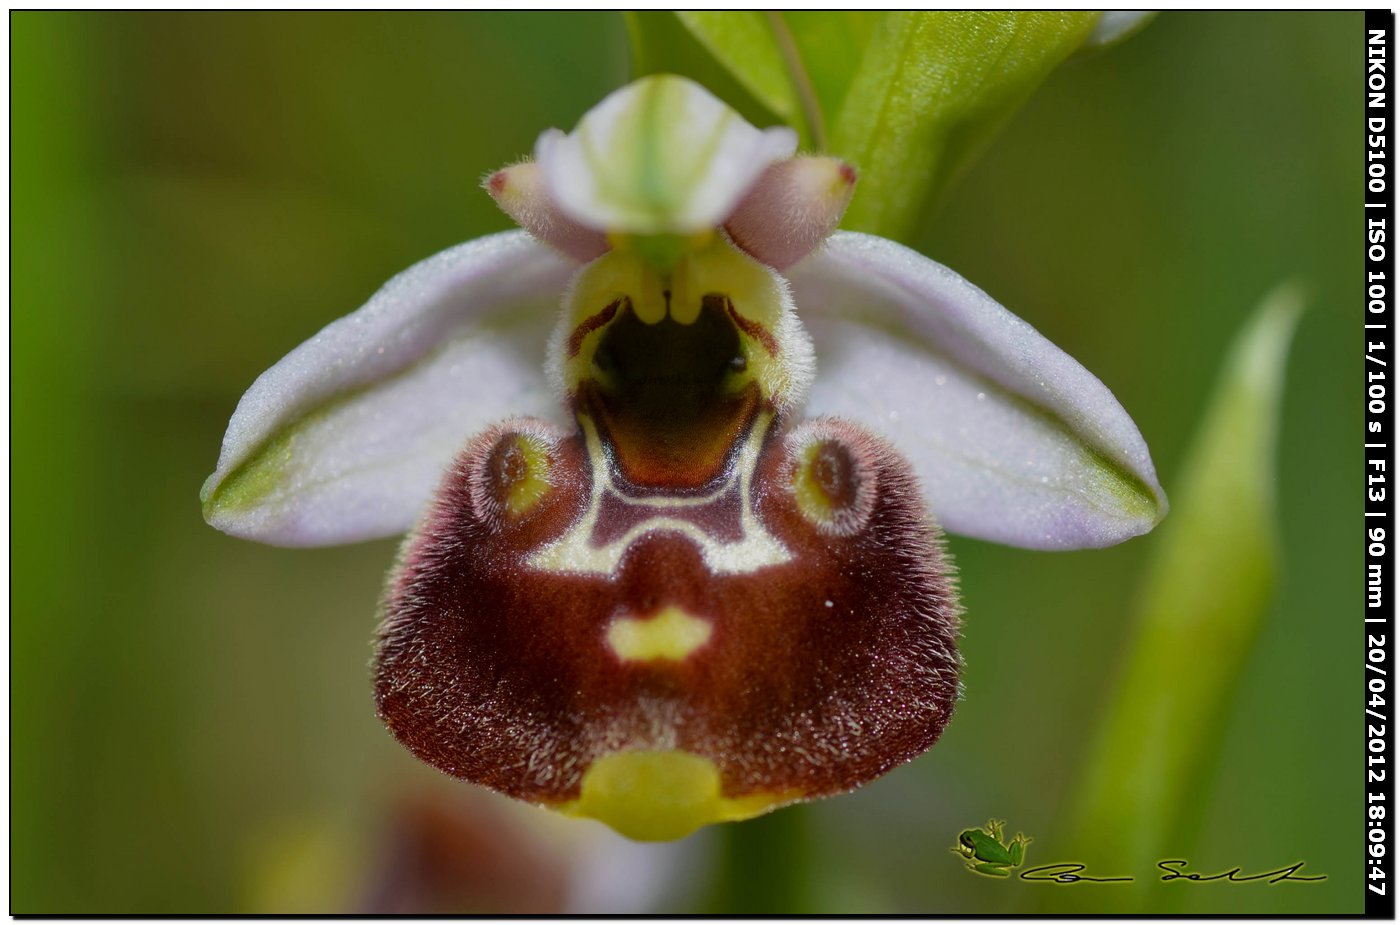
x,y
830,46
910,98
744,42
661,44
794,65
930,92
1204,598
799,63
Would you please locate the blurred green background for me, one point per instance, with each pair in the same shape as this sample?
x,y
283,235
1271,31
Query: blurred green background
x,y
194,194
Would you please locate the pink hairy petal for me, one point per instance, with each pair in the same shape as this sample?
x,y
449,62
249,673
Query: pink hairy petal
x,y
792,209
521,193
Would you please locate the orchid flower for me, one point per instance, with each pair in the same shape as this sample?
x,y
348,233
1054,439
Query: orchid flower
x,y
685,568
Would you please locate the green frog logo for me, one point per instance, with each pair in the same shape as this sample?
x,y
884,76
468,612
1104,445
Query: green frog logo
x,y
987,855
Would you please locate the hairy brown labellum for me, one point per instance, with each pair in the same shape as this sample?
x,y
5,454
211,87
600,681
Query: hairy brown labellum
x,y
682,612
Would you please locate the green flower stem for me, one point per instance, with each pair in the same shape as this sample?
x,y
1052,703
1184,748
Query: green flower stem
x,y
805,93
764,865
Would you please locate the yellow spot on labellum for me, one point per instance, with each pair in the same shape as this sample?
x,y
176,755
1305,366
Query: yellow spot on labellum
x,y
671,634
827,483
519,466
661,795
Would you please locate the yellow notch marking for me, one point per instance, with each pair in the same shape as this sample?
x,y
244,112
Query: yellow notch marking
x,y
661,795
813,499
526,470
671,634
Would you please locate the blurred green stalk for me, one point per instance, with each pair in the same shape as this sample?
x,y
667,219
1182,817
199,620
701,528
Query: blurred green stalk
x,y
55,254
765,866
1207,591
